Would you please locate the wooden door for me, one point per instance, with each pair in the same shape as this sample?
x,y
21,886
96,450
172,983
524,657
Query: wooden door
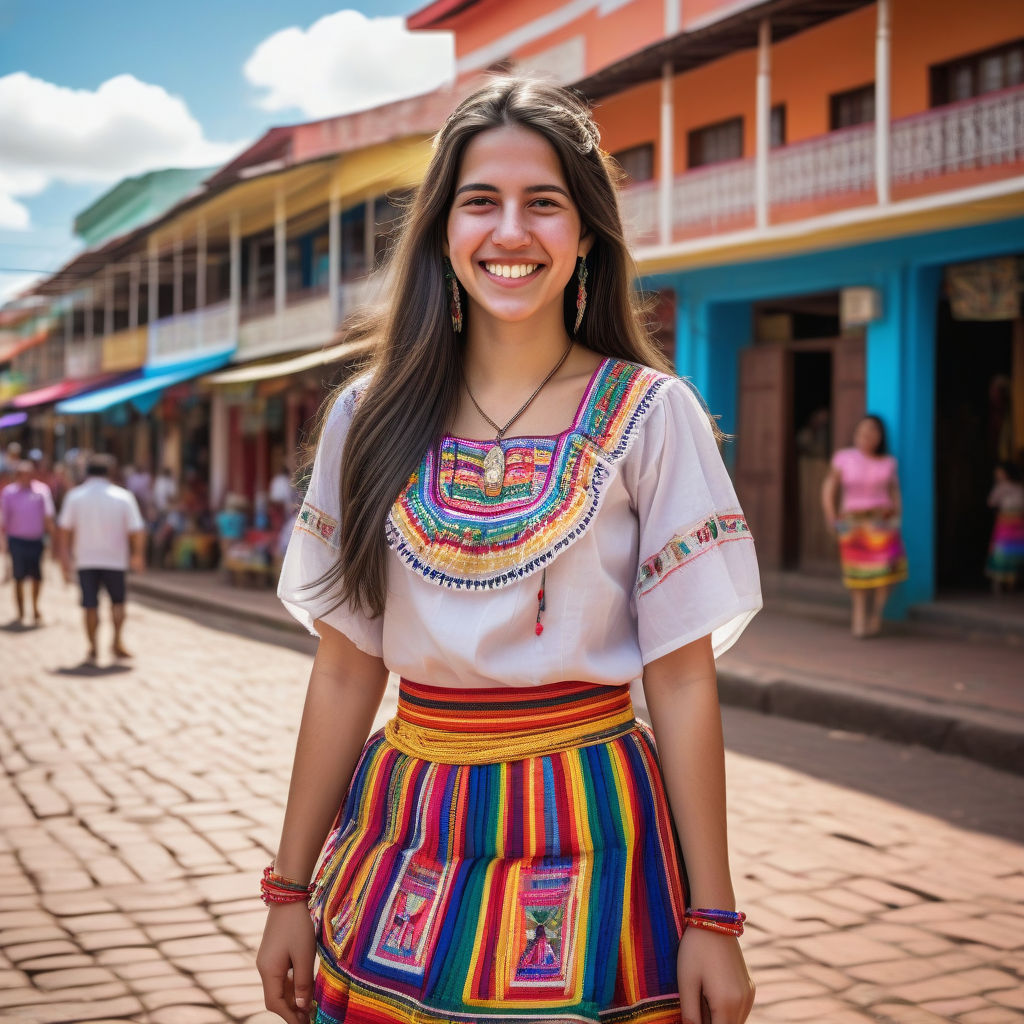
x,y
849,389
762,446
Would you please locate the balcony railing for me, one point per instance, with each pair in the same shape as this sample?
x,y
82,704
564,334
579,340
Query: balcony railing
x,y
964,136
306,322
125,350
715,195
836,169
83,357
836,164
196,333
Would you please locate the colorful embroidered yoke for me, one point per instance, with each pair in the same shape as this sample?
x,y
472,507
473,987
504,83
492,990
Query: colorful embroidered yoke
x,y
520,888
445,527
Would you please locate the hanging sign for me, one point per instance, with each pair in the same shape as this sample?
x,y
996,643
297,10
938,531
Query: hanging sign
x,y
984,290
859,306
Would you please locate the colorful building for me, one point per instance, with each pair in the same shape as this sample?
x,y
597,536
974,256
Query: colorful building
x,y
829,198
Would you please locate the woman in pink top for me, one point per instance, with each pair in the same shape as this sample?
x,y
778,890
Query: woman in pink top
x,y
867,524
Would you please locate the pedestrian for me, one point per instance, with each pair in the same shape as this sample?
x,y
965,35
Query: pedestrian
x,y
9,462
26,521
165,490
102,533
1005,564
867,523
536,514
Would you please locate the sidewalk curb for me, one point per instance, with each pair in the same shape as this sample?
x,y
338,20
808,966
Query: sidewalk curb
x,y
985,737
978,735
154,592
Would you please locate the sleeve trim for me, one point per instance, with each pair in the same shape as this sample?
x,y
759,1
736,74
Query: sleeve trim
x,y
688,544
319,524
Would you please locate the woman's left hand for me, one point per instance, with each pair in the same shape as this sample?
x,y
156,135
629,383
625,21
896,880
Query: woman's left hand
x,y
712,963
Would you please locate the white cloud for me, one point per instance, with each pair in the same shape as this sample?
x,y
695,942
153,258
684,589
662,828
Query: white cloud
x,y
13,284
53,133
346,62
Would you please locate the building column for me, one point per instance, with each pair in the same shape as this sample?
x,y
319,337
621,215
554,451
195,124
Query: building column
x,y
133,293
764,119
280,257
666,169
108,303
179,292
671,17
220,441
153,299
200,280
370,234
235,271
883,64
334,257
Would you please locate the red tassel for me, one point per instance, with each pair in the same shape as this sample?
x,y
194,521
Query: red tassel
x,y
538,629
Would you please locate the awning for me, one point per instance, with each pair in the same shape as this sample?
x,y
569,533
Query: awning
x,y
66,389
13,419
144,392
285,367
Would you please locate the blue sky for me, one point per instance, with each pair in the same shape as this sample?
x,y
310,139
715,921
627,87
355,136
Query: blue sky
x,y
213,55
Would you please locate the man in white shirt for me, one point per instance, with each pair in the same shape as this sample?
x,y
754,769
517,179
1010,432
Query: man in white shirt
x,y
103,533
165,490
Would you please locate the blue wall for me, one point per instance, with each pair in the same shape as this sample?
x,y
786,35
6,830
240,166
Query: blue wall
x,y
714,323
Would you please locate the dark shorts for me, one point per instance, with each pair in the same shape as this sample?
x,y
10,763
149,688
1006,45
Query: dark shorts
x,y
26,556
112,581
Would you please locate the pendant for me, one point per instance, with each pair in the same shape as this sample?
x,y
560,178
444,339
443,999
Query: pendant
x,y
494,471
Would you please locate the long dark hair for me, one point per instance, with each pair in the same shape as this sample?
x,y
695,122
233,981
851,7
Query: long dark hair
x,y
416,370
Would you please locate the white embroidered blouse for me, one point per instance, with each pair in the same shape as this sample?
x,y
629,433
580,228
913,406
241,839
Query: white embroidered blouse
x,y
630,511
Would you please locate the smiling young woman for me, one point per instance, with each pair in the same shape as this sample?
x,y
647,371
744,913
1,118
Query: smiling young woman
x,y
519,510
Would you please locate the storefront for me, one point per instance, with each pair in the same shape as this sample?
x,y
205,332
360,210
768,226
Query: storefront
x,y
769,347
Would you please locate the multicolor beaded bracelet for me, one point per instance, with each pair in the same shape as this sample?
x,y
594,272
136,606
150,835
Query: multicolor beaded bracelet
x,y
728,921
276,888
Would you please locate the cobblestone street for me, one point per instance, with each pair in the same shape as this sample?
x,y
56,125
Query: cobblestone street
x,y
139,805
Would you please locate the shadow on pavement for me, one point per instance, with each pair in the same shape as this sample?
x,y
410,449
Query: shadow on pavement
x,y
956,790
88,669
228,622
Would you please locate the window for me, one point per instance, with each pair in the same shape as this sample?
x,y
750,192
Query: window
x,y
777,127
637,162
715,143
978,73
855,106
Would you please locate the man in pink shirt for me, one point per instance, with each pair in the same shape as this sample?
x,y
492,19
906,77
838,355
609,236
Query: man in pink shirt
x,y
26,517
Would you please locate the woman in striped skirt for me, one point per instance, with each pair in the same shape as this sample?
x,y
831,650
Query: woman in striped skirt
x,y
519,511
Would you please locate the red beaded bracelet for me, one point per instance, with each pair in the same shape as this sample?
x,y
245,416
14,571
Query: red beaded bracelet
x,y
275,888
730,922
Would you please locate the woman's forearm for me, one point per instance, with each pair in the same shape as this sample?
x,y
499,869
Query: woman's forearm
x,y
682,699
342,700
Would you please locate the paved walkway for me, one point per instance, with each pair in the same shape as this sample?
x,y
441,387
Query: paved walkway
x,y
957,695
139,804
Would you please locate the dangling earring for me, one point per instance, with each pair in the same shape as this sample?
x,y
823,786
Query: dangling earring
x,y
454,299
581,293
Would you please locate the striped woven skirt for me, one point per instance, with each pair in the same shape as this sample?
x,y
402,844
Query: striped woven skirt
x,y
502,854
1005,563
871,550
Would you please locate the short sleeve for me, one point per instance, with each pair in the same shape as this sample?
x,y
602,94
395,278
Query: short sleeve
x,y
135,520
48,507
313,547
698,570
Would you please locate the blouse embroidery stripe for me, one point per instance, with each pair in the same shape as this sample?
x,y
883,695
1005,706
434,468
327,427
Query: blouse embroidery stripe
x,y
687,545
315,521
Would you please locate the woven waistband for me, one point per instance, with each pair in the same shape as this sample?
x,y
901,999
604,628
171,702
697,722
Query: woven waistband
x,y
498,724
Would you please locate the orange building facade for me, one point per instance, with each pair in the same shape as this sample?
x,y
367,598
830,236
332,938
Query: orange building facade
x,y
830,199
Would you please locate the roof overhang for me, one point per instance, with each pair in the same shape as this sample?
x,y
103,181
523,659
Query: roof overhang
x,y
712,40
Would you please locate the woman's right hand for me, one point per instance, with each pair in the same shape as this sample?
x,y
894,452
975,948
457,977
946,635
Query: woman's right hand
x,y
288,945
